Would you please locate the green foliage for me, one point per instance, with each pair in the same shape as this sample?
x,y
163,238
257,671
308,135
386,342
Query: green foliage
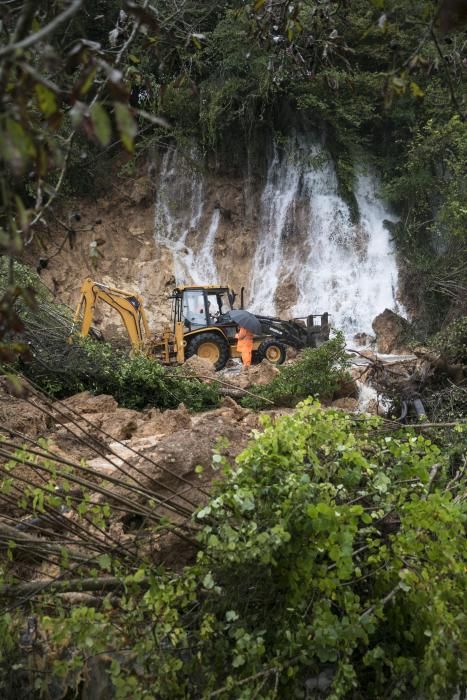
x,y
317,373
136,381
333,556
451,342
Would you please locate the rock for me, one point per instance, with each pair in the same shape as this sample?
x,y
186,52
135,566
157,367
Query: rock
x,y
85,402
164,459
136,230
260,374
346,404
141,192
347,389
238,412
374,408
363,339
121,424
164,422
391,331
19,415
263,373
200,367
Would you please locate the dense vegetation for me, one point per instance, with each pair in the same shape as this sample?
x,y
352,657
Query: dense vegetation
x,y
332,553
318,372
332,564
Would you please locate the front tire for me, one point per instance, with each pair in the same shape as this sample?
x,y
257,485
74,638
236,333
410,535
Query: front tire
x,y
209,346
273,351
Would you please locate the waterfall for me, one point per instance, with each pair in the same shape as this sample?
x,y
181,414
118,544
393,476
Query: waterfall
x,y
204,268
277,202
307,236
308,256
179,214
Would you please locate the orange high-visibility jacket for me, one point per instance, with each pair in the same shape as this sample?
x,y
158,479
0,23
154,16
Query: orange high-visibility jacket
x,y
244,339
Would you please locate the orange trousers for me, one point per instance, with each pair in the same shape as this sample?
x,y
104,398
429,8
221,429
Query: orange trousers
x,y
246,357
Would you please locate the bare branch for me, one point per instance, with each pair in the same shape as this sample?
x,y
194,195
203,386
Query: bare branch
x,y
42,33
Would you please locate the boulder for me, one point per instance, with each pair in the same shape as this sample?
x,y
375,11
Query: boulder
x,y
263,373
85,402
363,339
200,367
391,332
164,422
347,389
20,416
346,404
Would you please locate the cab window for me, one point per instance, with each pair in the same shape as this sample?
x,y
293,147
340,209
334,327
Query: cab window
x,y
193,308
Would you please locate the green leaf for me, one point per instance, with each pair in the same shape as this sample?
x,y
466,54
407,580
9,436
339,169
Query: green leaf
x,y
126,125
238,660
87,82
105,562
416,90
101,122
381,482
139,575
208,581
46,100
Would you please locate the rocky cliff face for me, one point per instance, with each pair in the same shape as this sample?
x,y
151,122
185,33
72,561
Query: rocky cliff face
x,y
282,231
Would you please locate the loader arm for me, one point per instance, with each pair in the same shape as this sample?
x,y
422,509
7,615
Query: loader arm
x,y
128,305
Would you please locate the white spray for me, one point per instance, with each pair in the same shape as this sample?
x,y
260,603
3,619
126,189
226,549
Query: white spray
x,y
179,210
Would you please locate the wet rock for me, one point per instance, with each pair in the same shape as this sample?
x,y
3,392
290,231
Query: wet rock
x,y
374,408
391,332
363,339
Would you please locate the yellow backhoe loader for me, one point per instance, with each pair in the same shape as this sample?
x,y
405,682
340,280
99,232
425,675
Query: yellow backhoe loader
x,y
200,325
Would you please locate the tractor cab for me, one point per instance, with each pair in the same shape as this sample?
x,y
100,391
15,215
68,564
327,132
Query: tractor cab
x,y
201,307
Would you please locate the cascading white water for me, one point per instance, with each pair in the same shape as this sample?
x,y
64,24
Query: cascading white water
x,y
179,210
346,269
204,268
277,202
306,240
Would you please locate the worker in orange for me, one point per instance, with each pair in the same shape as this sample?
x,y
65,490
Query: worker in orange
x,y
245,345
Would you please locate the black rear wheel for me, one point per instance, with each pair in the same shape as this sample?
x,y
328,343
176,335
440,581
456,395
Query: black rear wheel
x,y
209,346
273,351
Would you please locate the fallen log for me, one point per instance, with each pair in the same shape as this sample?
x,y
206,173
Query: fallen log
x,y
75,585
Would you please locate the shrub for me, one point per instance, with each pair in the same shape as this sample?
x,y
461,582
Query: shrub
x,y
136,381
318,373
451,342
333,558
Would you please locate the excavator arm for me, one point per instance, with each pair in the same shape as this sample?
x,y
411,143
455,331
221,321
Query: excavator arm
x,y
128,305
